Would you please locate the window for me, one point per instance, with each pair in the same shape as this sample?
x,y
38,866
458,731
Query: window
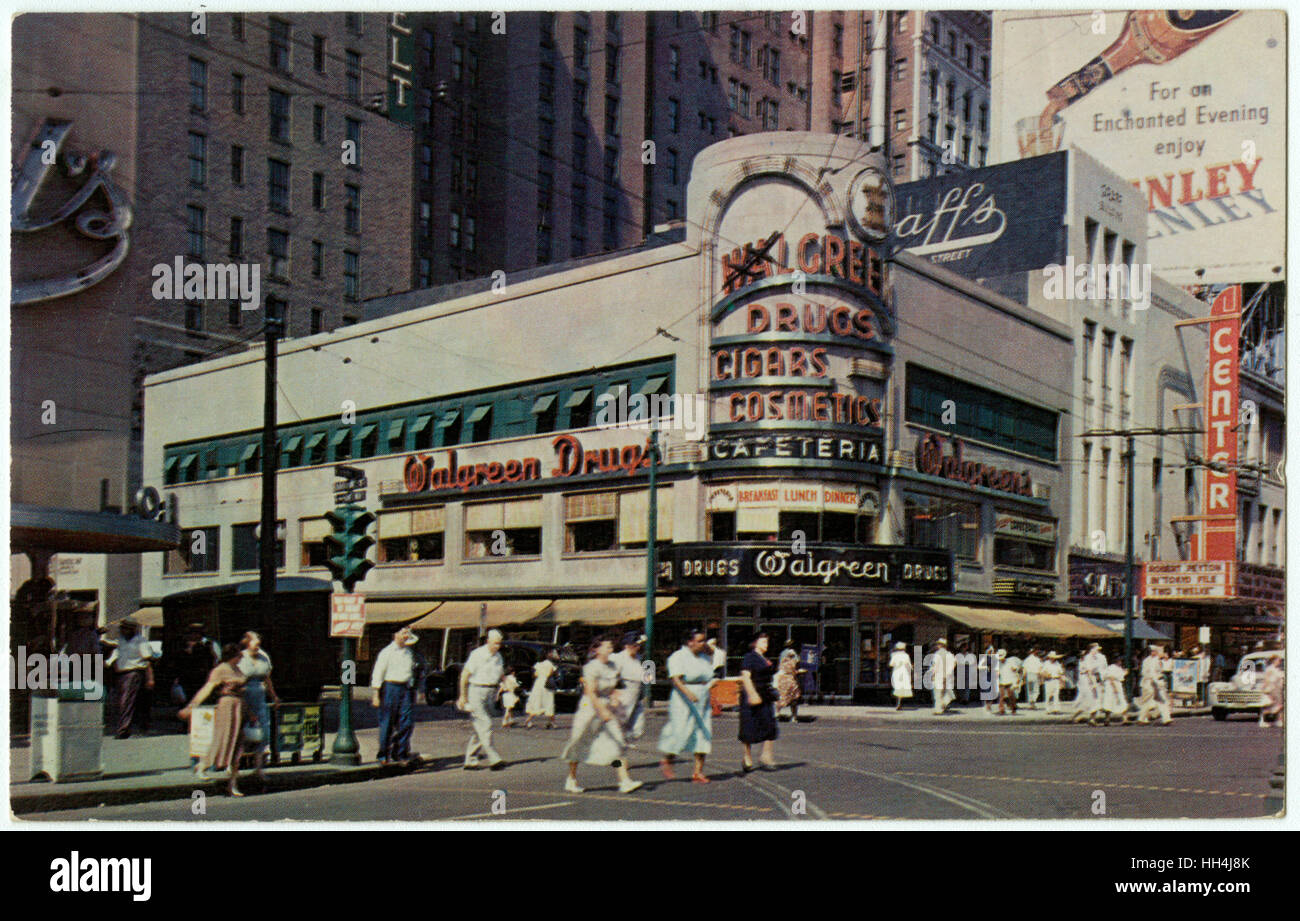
x,y
579,406
317,258
982,415
193,316
245,546
471,177
672,166
950,97
353,22
580,48
970,57
277,251
237,93
237,26
611,116
426,219
744,100
426,48
943,524
733,95
1089,340
984,118
351,276
772,66
198,159
194,216
236,165
352,61
837,40
453,230
354,135
318,124
771,115
426,162
965,108
739,46
984,68
279,111
317,320
352,209
318,191
611,165
318,53
674,115
277,173
279,48
198,85
198,551
411,535
1026,554
468,234
674,62
497,529
900,69
425,273
611,63
1107,358
236,236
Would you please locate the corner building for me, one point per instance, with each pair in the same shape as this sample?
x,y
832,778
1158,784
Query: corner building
x,y
809,482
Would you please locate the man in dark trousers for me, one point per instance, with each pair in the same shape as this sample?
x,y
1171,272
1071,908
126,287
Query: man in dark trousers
x,y
133,670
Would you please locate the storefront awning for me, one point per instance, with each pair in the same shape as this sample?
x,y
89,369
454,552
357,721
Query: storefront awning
x,y
466,613
600,612
396,612
1115,626
544,402
577,398
395,428
337,438
1004,620
314,440
421,423
249,451
366,431
292,443
478,413
653,385
148,617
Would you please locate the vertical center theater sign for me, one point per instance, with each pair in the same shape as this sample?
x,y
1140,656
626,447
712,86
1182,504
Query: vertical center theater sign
x,y
800,325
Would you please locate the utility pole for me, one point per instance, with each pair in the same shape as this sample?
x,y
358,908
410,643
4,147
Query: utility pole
x,y
270,467
651,563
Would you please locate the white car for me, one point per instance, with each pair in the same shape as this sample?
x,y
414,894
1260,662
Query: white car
x,y
1244,693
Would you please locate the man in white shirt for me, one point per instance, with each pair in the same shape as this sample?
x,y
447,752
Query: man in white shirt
x,y
719,658
631,673
1203,663
1008,678
392,683
1033,667
1052,673
133,668
1155,694
479,680
943,674
1087,705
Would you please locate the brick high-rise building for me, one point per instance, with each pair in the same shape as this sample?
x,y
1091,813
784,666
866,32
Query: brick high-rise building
x,y
935,68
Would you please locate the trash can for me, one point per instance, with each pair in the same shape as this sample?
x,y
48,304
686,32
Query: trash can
x,y
298,732
67,733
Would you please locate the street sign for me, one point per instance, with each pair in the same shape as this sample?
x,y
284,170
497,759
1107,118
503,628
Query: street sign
x,y
350,488
347,614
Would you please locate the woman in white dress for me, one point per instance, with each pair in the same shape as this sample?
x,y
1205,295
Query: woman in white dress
x,y
509,693
900,667
1113,700
541,699
597,735
689,729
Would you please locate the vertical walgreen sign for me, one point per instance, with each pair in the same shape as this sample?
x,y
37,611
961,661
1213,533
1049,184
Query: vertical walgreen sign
x,y
401,55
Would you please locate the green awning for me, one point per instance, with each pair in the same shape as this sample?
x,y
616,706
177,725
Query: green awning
x,y
578,397
420,424
249,451
449,419
338,437
292,443
544,402
314,440
653,385
169,463
189,459
479,412
366,430
395,428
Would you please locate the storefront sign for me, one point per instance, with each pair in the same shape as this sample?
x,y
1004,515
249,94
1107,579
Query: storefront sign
x,y
881,568
812,254
1182,679
1008,525
1024,588
1261,583
401,55
871,204
930,461
1219,530
422,473
1097,583
1186,579
792,496
796,446
1009,219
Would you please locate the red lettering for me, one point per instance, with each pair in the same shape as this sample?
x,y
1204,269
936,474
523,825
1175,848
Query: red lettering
x,y
833,252
787,318
1218,180
809,263
757,320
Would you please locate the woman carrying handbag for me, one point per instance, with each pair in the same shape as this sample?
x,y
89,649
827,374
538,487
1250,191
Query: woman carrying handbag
x,y
228,728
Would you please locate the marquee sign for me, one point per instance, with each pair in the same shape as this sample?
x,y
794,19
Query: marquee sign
x,y
1097,583
877,567
1186,579
931,461
1219,530
797,446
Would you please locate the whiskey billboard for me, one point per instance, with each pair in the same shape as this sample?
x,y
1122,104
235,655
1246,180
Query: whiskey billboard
x,y
1188,105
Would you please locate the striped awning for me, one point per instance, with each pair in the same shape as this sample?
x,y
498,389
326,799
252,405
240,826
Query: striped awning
x,y
601,612
1023,623
466,613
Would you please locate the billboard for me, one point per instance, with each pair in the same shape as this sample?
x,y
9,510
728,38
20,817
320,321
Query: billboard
x,y
1010,219
1188,105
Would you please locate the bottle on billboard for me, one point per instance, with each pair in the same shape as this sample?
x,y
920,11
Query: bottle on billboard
x,y
1148,36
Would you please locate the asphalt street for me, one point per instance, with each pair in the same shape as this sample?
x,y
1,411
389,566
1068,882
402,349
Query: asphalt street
x,y
832,768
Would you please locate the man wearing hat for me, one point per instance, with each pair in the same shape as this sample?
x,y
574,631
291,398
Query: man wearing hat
x,y
1088,704
1052,673
632,677
1008,678
900,673
1154,693
133,671
943,672
392,683
1033,668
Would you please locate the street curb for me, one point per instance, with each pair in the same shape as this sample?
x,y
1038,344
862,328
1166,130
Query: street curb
x,y
1024,718
57,801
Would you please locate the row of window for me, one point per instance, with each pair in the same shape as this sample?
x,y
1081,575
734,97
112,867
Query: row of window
x,y
935,400
593,523
967,57
571,403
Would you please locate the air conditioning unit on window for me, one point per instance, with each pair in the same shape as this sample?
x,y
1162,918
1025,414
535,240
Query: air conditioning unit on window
x,y
1042,491
902,458
687,453
866,367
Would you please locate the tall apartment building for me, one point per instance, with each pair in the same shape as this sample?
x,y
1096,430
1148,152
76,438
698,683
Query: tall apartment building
x,y
542,137
935,71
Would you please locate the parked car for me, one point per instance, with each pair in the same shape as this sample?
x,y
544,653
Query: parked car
x,y
1244,692
441,686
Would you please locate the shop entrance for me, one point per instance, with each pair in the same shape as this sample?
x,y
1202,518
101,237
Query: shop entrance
x,y
824,633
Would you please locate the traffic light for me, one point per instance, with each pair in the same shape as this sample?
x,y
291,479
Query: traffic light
x,y
348,544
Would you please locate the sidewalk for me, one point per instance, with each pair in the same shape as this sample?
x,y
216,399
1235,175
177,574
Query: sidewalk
x,y
156,767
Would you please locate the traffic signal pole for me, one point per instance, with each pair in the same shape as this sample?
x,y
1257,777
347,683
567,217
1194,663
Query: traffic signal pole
x,y
348,564
651,562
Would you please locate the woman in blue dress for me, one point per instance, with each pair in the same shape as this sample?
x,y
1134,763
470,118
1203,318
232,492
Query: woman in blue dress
x,y
757,703
256,666
689,729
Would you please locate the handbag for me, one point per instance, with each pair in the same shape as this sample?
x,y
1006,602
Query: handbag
x,y
254,735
